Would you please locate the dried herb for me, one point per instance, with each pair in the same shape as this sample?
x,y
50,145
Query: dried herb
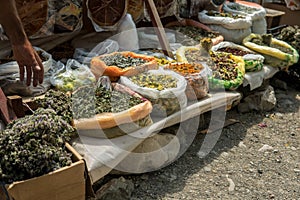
x,y
223,66
88,101
122,61
192,35
236,52
222,14
154,81
34,145
59,102
266,40
291,35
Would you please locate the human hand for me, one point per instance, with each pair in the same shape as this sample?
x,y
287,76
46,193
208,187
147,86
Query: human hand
x,y
27,58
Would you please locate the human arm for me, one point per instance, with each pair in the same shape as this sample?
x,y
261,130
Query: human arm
x,y
23,51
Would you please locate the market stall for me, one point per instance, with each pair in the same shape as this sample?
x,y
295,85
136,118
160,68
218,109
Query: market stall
x,y
123,85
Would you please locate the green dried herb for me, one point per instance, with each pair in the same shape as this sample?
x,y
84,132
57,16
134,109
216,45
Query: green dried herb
x,y
59,102
34,145
122,61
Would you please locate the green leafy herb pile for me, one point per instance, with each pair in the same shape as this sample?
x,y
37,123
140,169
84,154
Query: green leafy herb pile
x,y
59,102
122,61
88,101
34,145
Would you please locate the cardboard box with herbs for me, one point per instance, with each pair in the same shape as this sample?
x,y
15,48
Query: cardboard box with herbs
x,y
37,161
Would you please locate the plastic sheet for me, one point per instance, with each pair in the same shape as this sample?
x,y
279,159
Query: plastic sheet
x,y
10,78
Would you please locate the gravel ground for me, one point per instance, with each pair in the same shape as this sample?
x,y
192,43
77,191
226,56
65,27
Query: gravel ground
x,y
257,158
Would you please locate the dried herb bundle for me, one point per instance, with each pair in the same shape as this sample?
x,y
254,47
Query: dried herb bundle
x,y
34,145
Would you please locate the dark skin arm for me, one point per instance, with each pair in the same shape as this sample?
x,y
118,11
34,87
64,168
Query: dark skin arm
x,y
24,54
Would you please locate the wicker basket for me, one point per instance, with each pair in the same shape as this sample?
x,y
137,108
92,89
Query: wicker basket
x,y
136,9
107,13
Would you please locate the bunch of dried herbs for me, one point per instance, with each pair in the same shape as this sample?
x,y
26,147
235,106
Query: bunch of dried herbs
x,y
122,61
34,145
59,102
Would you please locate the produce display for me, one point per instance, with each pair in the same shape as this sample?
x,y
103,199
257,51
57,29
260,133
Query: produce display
x,y
34,145
89,101
227,71
277,53
164,88
196,76
291,35
159,81
253,61
119,64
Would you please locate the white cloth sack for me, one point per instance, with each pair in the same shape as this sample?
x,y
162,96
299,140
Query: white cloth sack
x,y
226,22
257,15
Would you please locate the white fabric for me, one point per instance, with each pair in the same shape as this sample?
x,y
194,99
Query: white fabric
x,y
255,79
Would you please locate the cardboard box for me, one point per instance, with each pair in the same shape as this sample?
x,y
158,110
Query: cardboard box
x,y
67,183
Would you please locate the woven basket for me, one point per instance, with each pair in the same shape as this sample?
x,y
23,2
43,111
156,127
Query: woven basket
x,y
136,9
107,13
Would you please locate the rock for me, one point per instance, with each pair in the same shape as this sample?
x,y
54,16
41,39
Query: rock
x,y
276,83
116,189
152,154
265,148
242,145
297,170
231,184
259,101
207,169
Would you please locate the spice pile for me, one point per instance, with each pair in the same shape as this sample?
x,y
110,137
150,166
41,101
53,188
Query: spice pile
x,y
291,35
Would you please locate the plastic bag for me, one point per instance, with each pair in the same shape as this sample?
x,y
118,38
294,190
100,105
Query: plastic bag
x,y
10,77
253,61
164,102
150,40
85,56
257,14
72,76
127,36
